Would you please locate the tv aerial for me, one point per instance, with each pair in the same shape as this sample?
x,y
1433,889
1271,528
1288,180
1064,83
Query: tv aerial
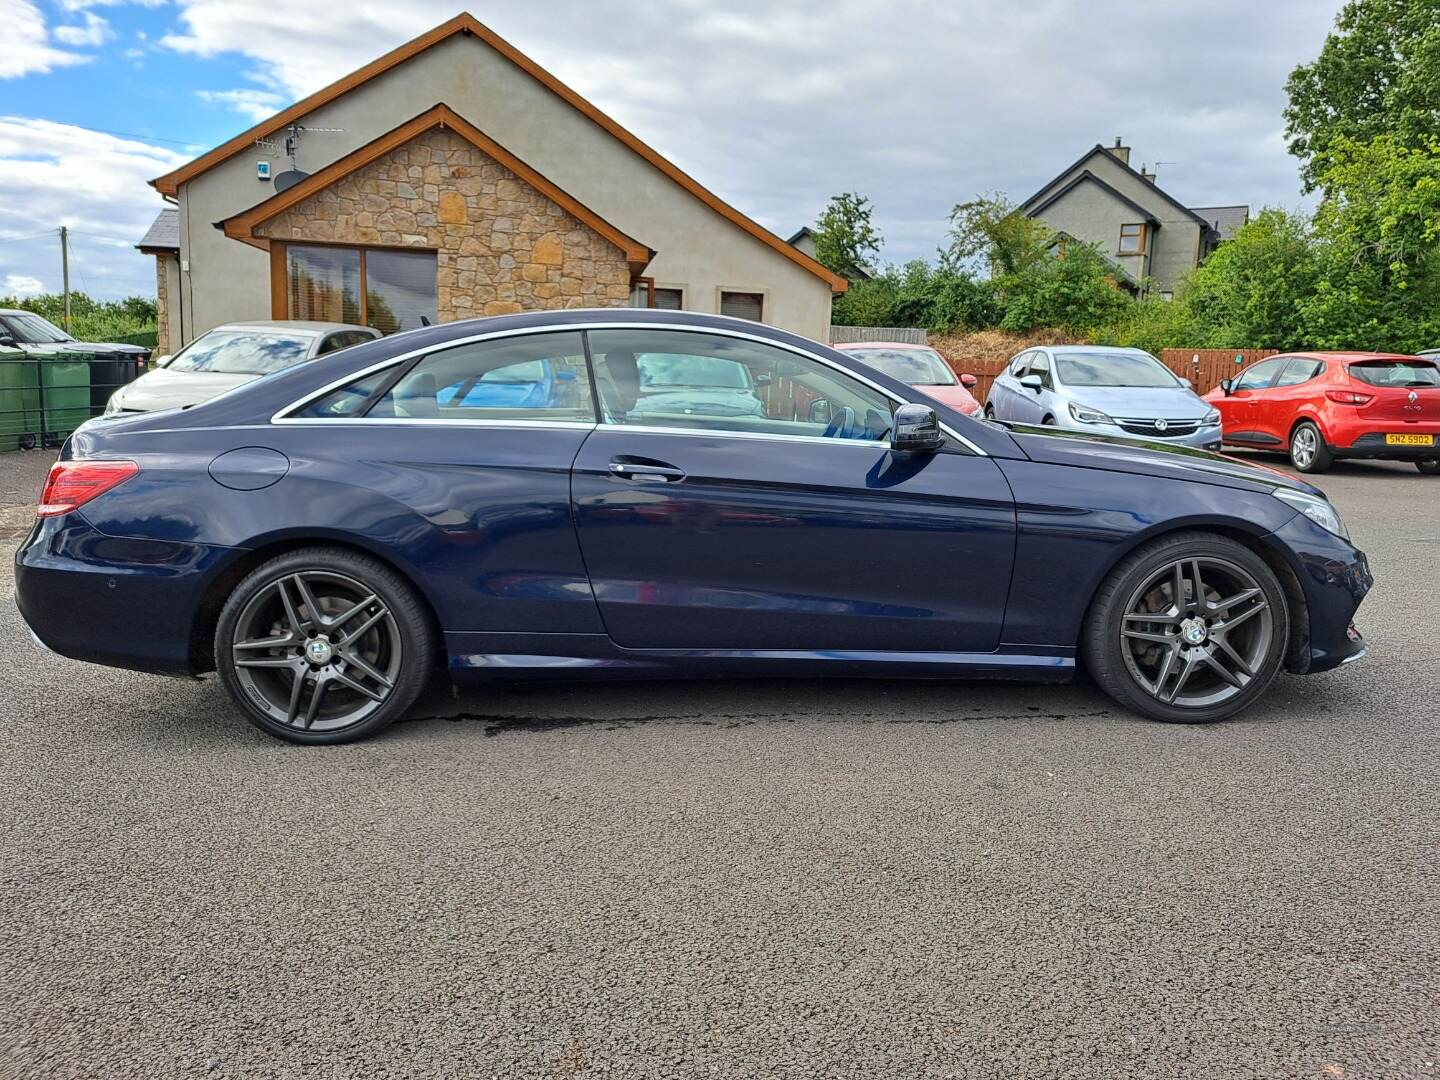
x,y
290,148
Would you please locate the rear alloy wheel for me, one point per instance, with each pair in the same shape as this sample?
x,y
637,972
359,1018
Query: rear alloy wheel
x,y
323,646
1188,629
1430,466
1308,452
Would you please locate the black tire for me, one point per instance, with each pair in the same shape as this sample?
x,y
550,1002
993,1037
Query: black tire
x,y
1113,660
383,647
1308,452
1430,466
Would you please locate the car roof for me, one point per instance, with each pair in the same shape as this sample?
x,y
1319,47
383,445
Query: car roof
x,y
1347,357
301,326
18,311
1090,349
843,345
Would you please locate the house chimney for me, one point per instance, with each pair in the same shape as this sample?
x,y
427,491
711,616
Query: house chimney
x,y
1121,152
1146,174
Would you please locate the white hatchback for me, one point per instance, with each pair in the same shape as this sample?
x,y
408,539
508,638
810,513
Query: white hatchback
x,y
230,356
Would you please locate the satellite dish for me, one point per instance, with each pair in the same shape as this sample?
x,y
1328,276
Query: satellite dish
x,y
288,179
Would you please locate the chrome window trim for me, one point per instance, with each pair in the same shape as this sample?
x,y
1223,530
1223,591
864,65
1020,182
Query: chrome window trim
x,y
282,415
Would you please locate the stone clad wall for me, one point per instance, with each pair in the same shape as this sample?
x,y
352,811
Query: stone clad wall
x,y
501,246
162,304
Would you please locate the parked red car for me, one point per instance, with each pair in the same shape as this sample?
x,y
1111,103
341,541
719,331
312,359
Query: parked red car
x,y
1324,406
921,367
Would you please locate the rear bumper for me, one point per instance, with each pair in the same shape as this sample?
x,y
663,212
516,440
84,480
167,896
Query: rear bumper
x,y
1372,445
112,600
1334,577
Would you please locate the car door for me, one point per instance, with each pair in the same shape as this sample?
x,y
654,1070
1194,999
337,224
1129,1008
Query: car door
x,y
1006,387
474,493
1032,406
795,530
1276,407
1240,408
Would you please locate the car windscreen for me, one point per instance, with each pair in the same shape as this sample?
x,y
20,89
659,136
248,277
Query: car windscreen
x,y
1397,372
242,352
663,370
33,330
1112,369
915,367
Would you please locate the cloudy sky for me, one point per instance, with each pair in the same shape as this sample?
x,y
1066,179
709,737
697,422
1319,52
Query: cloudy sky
x,y
773,106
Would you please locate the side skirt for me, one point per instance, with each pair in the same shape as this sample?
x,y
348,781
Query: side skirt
x,y
481,657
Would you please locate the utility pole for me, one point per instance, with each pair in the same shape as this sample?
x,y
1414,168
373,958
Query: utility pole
x,y
65,271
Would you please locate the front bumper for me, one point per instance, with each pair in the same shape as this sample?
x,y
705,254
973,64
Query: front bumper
x,y
1333,576
1203,438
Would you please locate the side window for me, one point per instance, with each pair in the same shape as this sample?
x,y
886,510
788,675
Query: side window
x,y
1040,365
529,377
348,401
342,340
712,382
1259,376
1299,371
1019,364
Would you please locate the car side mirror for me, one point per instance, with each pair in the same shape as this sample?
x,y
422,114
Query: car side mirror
x,y
1032,382
916,429
7,341
1227,387
819,411
969,381
763,379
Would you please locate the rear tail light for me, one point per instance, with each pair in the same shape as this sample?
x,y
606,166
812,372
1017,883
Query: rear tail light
x,y
1348,397
71,484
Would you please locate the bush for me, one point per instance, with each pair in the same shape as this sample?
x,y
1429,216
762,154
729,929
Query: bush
x,y
90,319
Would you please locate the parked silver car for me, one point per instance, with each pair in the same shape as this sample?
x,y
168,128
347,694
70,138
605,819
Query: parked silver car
x,y
1103,391
230,356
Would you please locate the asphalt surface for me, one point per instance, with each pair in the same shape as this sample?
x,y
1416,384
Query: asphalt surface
x,y
781,879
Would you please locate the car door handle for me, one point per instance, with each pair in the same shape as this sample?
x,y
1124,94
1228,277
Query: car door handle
x,y
644,470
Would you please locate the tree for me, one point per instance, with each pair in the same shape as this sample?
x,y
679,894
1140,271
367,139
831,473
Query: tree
x,y
845,240
1251,292
1378,258
1377,74
992,229
1075,292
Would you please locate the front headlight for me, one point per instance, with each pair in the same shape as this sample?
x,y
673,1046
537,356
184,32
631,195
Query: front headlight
x,y
1212,418
1086,415
1314,507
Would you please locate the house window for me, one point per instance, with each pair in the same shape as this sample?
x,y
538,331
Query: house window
x,y
743,305
389,290
1132,239
670,299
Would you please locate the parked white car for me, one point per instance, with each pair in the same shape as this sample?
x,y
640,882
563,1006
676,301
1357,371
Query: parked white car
x,y
230,356
1103,391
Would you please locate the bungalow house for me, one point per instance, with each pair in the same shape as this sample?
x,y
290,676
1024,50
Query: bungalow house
x,y
1147,234
450,178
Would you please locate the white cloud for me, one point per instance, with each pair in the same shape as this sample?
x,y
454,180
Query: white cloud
x,y
58,174
26,48
94,31
22,285
254,104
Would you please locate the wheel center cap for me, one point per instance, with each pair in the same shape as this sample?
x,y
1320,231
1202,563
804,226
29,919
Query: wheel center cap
x,y
319,651
1194,631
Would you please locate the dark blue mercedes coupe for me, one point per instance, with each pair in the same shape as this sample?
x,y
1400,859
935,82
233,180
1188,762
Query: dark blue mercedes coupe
x,y
329,536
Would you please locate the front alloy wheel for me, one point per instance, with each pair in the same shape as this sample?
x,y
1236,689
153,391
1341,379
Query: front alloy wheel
x,y
1189,628
323,646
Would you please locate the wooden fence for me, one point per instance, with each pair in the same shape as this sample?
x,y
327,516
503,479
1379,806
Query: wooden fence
x,y
910,335
985,359
1206,367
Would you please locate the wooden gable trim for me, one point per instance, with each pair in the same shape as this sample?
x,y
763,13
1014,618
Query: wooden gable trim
x,y
465,23
242,226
